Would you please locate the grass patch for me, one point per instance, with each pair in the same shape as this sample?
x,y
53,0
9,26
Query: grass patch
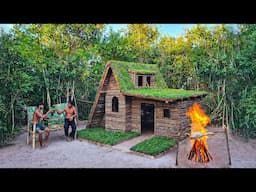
x,y
166,93
106,137
154,146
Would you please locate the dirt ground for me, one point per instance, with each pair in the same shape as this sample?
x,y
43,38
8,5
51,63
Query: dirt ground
x,y
81,154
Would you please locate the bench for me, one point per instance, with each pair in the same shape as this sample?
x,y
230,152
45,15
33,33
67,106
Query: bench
x,y
55,122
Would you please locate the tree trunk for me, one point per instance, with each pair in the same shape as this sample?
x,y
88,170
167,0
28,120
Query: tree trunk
x,y
13,119
67,98
73,90
48,98
73,98
57,91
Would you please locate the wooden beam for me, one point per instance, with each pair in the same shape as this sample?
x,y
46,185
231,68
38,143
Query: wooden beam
x,y
162,99
84,101
111,91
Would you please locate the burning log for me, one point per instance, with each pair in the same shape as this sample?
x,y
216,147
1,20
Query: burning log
x,y
199,151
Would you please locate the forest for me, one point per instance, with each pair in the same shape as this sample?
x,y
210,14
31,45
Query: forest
x,y
45,62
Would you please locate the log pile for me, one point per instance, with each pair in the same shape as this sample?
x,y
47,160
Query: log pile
x,y
199,152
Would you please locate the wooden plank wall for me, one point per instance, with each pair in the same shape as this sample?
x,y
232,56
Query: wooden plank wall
x,y
165,126
128,103
99,116
114,120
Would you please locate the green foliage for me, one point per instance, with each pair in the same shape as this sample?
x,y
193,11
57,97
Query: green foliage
x,y
40,62
154,146
141,38
106,137
114,46
247,113
166,93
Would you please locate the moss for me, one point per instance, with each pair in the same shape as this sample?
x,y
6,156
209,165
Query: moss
x,y
121,70
154,146
106,137
122,75
165,93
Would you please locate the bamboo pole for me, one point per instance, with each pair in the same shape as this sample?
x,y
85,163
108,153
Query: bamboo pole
x,y
13,119
177,151
225,113
28,131
67,98
227,141
48,98
34,136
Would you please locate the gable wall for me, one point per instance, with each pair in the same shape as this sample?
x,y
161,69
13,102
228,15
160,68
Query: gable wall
x,y
114,120
110,83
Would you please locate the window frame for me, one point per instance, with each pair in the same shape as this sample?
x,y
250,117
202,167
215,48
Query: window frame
x,y
148,82
115,104
166,113
140,76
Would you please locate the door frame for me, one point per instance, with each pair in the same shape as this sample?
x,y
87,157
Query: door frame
x,y
154,116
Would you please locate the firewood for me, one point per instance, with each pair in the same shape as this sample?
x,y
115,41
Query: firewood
x,y
199,152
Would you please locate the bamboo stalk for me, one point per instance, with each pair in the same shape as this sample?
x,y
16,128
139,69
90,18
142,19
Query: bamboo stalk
x,y
48,98
72,91
13,120
67,93
76,118
28,131
57,91
177,152
229,156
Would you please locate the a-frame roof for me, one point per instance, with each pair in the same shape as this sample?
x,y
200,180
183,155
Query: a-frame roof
x,y
159,92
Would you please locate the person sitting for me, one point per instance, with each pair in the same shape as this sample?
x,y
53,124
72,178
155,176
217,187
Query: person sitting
x,y
71,113
38,114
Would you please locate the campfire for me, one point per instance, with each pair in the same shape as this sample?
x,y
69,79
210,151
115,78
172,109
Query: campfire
x,y
199,151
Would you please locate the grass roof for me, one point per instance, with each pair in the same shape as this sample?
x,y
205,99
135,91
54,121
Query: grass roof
x,y
165,93
121,70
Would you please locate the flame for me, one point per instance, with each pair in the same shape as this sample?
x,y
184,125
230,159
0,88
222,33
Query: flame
x,y
199,121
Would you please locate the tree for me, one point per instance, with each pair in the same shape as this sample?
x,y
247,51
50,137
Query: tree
x,y
15,81
141,38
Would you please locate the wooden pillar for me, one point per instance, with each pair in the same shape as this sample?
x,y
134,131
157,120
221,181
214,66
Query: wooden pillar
x,y
28,132
34,136
177,151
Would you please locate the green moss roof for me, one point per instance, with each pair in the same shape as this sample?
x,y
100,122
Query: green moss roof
x,y
121,70
165,93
